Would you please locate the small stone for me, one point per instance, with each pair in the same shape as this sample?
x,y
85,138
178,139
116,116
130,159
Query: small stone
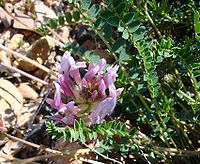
x,y
5,58
27,92
37,52
16,41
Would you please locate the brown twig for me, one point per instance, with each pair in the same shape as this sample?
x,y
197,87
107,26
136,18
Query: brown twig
x,y
58,36
41,147
177,151
23,73
55,41
25,58
105,157
89,161
39,158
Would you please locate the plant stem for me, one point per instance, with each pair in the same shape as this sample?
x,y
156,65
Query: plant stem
x,y
23,73
44,148
26,59
177,151
151,21
186,96
108,158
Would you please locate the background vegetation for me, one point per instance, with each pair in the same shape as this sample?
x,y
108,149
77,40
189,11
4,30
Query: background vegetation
x,y
156,43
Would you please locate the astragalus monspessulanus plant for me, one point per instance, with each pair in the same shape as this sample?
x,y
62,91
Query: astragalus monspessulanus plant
x,y
92,96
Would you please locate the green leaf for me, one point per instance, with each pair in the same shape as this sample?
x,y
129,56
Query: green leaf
x,y
195,65
107,31
196,22
61,20
99,23
115,3
53,23
120,27
113,20
82,135
118,45
133,26
139,34
72,134
81,123
197,73
124,56
106,14
125,34
93,11
92,57
76,125
76,135
166,119
94,135
128,18
76,14
133,131
109,133
64,135
120,8
109,125
90,135
100,130
68,16
85,4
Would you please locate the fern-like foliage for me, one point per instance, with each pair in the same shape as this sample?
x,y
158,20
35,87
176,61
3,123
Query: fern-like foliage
x,y
81,132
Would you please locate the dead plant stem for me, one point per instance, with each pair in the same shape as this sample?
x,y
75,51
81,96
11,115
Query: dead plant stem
x,y
23,73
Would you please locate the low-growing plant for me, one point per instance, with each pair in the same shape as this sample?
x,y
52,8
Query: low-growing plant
x,y
156,46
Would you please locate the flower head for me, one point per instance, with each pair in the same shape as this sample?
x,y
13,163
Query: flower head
x,y
93,94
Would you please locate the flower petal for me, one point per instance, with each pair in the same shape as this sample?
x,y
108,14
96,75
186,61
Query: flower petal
x,y
102,88
66,85
110,76
66,63
56,102
104,108
93,70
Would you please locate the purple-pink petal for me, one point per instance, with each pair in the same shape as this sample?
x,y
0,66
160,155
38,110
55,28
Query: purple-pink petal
x,y
94,70
102,88
66,63
104,108
56,102
110,76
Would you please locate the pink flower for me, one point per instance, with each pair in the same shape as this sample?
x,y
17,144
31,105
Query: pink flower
x,y
93,96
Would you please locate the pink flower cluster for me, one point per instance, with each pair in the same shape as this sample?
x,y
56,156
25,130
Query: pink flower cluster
x,y
92,96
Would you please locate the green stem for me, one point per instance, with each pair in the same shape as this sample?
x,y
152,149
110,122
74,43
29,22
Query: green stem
x,y
186,96
183,132
151,21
